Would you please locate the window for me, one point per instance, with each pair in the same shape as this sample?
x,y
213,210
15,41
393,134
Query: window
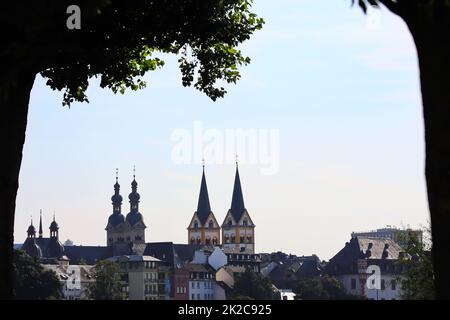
x,y
245,222
198,285
241,238
393,285
192,240
211,224
193,285
353,284
230,222
193,297
196,224
208,240
198,296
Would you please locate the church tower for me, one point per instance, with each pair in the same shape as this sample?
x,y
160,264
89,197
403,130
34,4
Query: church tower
x,y
203,228
238,229
135,227
116,221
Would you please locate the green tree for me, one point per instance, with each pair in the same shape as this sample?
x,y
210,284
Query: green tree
x,y
253,286
32,281
418,280
119,42
107,285
321,288
429,24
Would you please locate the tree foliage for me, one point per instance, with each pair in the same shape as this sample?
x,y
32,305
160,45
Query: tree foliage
x,y
321,288
107,285
253,286
119,41
418,281
32,281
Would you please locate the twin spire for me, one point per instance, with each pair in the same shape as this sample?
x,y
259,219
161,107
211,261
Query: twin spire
x,y
237,202
134,216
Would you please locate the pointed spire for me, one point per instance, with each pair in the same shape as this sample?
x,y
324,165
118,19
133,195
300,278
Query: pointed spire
x,y
40,224
134,183
203,207
31,230
237,202
134,195
116,199
117,185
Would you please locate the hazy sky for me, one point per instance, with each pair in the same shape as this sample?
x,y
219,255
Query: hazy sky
x,y
340,88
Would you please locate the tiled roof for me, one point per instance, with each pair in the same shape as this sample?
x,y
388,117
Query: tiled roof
x,y
90,254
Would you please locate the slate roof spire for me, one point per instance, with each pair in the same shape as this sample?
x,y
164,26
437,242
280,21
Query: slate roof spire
x,y
40,224
203,207
237,202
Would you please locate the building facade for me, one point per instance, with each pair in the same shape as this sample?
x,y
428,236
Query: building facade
x,y
368,267
139,276
201,281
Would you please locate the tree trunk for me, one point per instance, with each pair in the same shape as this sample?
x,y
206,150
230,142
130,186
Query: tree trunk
x,y
433,47
14,99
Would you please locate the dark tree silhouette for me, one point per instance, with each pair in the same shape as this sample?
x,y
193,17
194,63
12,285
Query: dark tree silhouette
x,y
429,24
250,285
118,42
32,281
107,285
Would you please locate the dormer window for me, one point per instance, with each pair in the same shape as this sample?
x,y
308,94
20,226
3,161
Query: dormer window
x,y
196,224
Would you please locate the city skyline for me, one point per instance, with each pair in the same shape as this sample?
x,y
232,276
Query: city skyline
x,y
333,181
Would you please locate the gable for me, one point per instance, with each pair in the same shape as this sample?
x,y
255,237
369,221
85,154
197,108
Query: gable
x,y
227,217
213,218
194,218
245,215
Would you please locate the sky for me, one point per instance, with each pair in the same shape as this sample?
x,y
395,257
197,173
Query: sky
x,y
332,103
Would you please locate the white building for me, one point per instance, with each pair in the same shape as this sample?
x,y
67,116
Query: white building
x,y
74,279
367,267
201,281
